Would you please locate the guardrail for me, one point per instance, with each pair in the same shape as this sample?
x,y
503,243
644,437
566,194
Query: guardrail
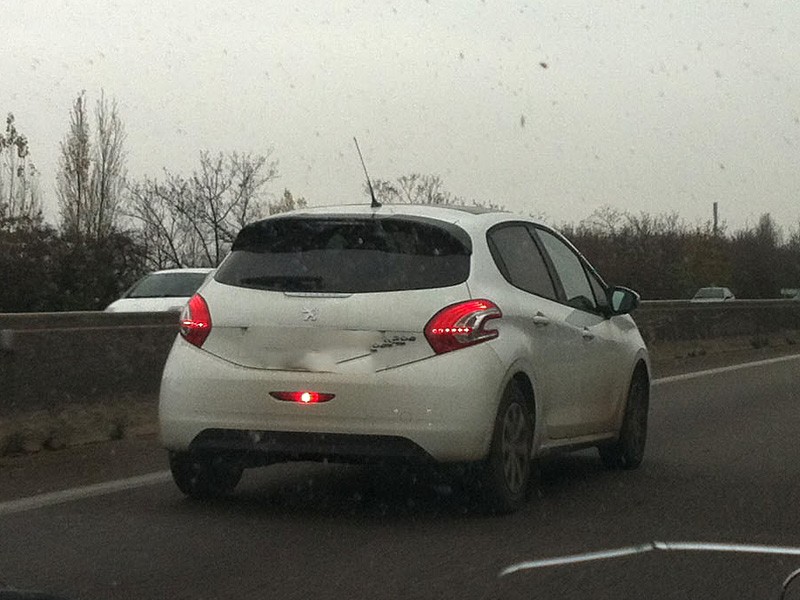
x,y
681,320
50,360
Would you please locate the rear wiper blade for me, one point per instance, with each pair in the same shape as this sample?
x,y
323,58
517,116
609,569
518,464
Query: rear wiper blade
x,y
284,282
156,296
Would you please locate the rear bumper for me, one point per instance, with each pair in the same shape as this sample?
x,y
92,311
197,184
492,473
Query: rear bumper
x,y
263,447
441,408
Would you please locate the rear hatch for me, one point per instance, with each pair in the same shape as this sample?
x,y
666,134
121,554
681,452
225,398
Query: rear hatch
x,y
335,293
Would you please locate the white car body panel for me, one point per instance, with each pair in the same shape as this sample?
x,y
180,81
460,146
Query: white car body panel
x,y
432,402
147,305
580,364
322,332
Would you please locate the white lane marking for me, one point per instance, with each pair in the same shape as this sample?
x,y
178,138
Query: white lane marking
x,y
109,487
649,547
707,372
88,491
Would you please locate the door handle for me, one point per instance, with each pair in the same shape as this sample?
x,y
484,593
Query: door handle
x,y
540,320
587,335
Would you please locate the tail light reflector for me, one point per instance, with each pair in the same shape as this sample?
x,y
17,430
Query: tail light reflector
x,y
302,397
196,321
461,325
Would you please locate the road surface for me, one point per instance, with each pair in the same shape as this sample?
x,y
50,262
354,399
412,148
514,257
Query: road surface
x,y
723,466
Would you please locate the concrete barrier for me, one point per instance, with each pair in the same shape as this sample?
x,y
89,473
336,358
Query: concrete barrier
x,y
52,359
58,365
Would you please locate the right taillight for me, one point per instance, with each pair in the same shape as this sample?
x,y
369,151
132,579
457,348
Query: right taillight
x,y
196,321
461,325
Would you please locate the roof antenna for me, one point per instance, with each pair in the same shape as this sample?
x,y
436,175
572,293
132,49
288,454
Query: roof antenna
x,y
375,203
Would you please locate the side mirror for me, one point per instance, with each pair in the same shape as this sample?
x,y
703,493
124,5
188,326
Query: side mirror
x,y
623,300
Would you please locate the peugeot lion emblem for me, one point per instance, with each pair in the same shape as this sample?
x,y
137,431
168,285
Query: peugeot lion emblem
x,y
310,314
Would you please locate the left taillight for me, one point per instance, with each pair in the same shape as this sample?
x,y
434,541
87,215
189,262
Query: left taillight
x,y
196,321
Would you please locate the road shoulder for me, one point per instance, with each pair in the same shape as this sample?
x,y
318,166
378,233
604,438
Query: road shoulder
x,y
49,471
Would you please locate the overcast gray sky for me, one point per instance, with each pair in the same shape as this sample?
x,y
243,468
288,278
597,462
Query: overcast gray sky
x,y
646,105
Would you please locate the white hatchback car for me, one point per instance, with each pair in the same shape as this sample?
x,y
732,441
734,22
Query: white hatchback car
x,y
166,290
713,294
425,333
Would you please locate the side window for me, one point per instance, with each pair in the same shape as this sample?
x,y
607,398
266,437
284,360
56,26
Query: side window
x,y
520,261
600,294
570,270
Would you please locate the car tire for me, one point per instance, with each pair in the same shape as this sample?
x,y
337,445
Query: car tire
x,y
503,477
204,476
627,452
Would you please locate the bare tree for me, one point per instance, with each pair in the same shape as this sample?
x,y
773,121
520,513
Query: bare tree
x,y
794,238
19,178
193,221
72,183
414,188
417,188
163,234
286,203
91,173
108,167
605,220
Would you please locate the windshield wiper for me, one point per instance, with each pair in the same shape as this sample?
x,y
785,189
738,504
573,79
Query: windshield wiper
x,y
656,546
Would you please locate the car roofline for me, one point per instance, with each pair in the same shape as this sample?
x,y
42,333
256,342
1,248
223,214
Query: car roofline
x,y
462,215
183,270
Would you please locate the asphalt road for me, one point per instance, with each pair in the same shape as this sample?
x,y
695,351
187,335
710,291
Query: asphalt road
x,y
723,465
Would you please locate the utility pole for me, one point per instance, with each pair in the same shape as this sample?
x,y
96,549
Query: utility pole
x,y
716,218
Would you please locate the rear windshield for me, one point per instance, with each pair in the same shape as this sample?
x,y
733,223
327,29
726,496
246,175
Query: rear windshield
x,y
347,255
167,285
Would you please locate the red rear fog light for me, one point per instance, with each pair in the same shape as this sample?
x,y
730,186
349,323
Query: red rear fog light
x,y
302,397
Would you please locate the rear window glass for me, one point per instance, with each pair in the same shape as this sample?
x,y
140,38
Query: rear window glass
x,y
347,255
167,285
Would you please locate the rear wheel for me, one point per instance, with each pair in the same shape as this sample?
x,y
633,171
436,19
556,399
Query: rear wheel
x,y
504,475
628,451
204,476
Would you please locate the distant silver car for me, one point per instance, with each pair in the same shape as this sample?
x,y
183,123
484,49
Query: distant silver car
x,y
167,290
713,294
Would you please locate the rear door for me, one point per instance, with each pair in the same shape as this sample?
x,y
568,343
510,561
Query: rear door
x,y
533,308
337,294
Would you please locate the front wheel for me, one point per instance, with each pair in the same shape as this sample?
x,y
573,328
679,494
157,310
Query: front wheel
x,y
204,476
504,475
628,451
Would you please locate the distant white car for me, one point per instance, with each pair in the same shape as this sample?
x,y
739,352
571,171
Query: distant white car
x,y
713,294
167,290
414,333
